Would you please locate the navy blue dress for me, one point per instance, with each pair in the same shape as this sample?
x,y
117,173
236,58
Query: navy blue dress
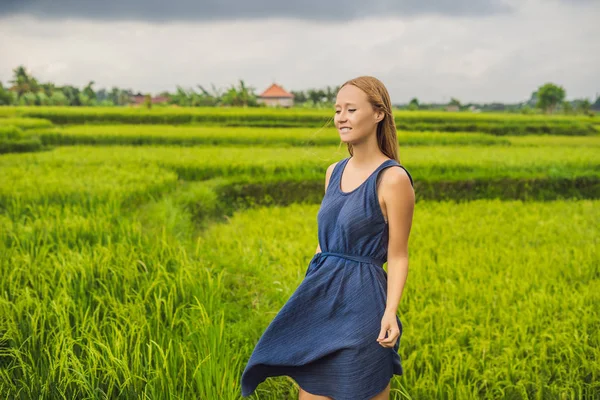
x,y
325,336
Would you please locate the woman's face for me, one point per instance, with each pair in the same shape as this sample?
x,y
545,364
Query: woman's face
x,y
355,118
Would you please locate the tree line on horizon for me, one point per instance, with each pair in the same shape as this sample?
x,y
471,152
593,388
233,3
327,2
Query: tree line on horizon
x,y
26,90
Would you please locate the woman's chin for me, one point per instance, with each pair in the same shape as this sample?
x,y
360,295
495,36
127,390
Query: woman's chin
x,y
346,138
350,139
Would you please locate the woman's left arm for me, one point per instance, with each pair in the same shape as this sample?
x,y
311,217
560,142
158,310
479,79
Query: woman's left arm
x,y
399,199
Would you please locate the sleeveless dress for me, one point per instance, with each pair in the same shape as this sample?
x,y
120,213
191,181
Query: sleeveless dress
x,y
324,337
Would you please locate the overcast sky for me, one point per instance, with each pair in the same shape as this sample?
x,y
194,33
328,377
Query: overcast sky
x,y
474,50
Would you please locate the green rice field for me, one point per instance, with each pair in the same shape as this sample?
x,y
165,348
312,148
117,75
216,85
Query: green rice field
x,y
144,252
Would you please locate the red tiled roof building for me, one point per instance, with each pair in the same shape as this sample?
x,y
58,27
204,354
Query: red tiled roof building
x,y
276,96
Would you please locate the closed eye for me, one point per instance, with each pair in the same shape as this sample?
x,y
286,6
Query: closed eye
x,y
350,110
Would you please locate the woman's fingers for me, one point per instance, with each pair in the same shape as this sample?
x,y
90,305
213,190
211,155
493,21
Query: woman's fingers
x,y
390,341
381,335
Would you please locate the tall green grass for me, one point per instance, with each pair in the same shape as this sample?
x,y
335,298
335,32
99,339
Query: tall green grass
x,y
498,124
500,301
88,185
143,135
16,135
26,123
117,282
92,306
199,163
132,175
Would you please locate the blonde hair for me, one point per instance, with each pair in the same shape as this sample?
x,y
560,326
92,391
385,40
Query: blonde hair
x,y
379,98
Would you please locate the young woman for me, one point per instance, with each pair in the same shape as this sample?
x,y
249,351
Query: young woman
x,y
338,334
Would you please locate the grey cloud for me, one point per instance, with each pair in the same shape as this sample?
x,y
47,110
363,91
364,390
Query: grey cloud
x,y
503,58
204,10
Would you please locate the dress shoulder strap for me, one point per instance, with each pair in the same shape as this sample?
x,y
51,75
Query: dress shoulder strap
x,y
335,174
392,163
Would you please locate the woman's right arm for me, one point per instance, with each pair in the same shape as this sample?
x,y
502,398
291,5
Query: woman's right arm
x,y
327,177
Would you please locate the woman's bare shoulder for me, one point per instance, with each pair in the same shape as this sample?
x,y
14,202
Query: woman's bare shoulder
x,y
330,169
396,182
328,174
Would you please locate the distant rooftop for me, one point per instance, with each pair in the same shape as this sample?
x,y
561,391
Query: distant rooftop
x,y
276,91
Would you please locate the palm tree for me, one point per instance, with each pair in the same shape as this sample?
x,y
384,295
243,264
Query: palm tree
x,y
246,94
180,97
113,95
584,106
330,94
315,96
89,92
23,82
49,88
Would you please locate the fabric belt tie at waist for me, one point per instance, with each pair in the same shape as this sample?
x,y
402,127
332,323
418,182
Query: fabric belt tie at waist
x,y
362,259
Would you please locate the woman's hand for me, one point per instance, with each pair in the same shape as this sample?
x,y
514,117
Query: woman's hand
x,y
389,324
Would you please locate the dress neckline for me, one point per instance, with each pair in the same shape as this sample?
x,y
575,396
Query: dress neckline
x,y
339,185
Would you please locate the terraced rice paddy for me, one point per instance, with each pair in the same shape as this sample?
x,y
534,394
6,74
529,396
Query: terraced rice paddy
x,y
145,261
